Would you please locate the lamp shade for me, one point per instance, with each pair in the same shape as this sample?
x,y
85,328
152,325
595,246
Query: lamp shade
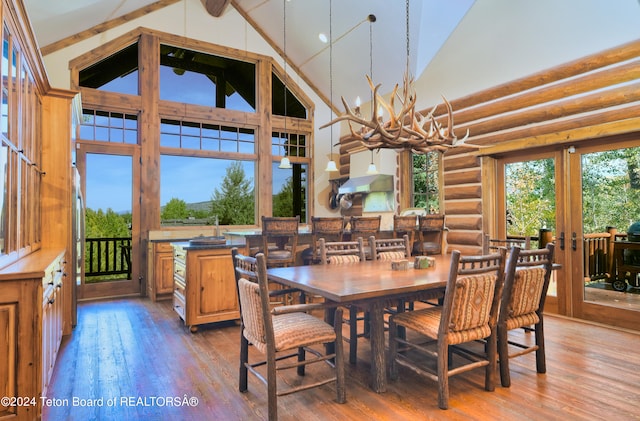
x,y
285,164
331,166
372,169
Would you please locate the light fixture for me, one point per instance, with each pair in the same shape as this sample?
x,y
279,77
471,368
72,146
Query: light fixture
x,y
372,167
331,165
405,129
285,164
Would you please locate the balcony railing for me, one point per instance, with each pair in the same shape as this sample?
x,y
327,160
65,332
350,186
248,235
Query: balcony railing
x,y
107,259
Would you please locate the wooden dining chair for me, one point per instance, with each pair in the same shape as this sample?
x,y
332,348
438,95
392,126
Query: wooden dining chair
x,y
469,313
339,253
365,226
277,331
389,249
280,240
522,306
406,224
430,235
329,228
494,244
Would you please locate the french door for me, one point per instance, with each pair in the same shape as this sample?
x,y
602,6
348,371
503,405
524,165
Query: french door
x,y
109,179
530,204
604,180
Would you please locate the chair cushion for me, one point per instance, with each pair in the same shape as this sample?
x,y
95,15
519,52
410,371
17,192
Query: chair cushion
x,y
293,330
471,309
425,321
252,318
341,259
527,291
391,255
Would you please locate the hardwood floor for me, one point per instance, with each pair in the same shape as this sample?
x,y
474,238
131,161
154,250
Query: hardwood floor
x,y
134,359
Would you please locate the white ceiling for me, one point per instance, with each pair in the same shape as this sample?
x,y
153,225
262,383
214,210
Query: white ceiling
x,y
471,42
431,22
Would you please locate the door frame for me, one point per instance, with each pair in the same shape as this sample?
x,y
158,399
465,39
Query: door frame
x,y
561,302
132,286
588,310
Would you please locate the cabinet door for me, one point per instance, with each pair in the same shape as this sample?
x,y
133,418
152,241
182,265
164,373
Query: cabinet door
x,y
165,273
8,357
216,291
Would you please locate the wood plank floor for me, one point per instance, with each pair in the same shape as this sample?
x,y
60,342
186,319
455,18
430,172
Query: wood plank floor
x,y
131,357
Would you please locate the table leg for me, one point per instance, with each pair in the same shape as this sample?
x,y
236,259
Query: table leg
x,y
330,319
378,359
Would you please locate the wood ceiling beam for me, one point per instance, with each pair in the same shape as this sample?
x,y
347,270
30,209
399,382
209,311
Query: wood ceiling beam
x,y
215,7
105,26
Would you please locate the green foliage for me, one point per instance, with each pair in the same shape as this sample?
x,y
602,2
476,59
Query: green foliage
x,y
610,189
101,224
283,200
426,171
234,203
530,194
175,209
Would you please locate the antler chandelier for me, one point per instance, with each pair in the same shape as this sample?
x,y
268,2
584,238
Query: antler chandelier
x,y
406,129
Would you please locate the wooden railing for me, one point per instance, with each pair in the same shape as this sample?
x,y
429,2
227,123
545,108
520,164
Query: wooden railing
x,y
107,257
597,256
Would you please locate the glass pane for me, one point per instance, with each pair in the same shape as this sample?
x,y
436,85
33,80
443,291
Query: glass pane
x,y
116,73
4,155
290,191
530,191
203,79
109,183
610,205
426,181
193,191
293,106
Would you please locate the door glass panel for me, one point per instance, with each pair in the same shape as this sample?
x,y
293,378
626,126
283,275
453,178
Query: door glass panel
x,y
530,188
611,227
109,182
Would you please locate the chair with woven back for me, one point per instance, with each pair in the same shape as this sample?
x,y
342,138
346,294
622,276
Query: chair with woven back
x,y
405,224
280,240
430,235
339,253
523,243
329,228
282,333
522,306
389,249
365,226
469,313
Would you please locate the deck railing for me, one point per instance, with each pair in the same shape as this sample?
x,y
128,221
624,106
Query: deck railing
x,y
105,258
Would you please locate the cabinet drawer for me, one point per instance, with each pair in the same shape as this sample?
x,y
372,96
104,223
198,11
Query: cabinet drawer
x,y
179,304
179,270
179,288
180,255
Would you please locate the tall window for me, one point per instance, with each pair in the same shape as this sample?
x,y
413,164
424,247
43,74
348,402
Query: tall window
x,y
426,181
206,126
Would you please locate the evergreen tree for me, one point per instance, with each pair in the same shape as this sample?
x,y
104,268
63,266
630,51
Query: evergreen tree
x,y
234,202
175,209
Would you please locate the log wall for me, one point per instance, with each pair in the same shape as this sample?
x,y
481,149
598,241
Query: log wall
x,y
588,98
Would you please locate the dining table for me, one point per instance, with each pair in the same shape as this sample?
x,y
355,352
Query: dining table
x,y
372,286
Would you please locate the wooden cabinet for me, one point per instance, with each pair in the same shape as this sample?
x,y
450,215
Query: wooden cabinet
x,y
204,289
160,281
31,320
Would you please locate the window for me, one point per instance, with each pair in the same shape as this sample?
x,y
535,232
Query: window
x,y
207,131
193,77
206,137
117,73
105,126
426,181
197,191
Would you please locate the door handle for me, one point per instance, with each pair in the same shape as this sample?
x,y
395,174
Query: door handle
x,y
574,243
561,240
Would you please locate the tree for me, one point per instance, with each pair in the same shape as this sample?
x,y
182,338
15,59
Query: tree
x,y
101,224
283,200
234,203
175,209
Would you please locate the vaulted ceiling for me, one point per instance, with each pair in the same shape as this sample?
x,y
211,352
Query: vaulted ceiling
x,y
451,30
